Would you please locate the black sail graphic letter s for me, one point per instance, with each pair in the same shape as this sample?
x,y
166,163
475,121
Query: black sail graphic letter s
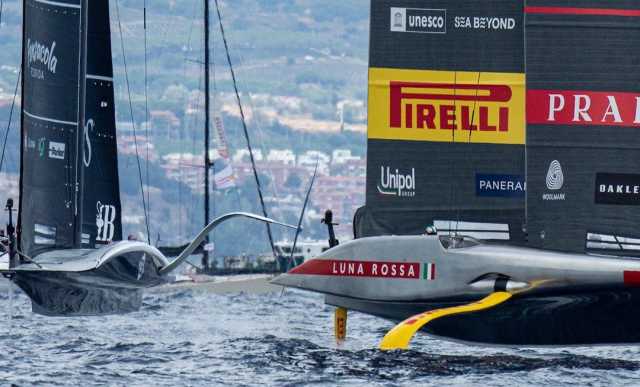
x,y
101,223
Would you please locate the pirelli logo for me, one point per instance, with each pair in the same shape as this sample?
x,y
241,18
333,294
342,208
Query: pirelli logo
x,y
445,106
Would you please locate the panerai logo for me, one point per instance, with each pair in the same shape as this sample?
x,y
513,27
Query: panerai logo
x,y
555,181
394,183
40,53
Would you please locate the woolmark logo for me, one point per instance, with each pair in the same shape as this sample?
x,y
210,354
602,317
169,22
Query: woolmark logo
x,y
426,21
394,183
449,107
56,150
555,181
555,177
40,53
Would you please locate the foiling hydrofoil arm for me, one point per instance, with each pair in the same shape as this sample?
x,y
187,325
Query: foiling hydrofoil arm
x,y
400,336
202,235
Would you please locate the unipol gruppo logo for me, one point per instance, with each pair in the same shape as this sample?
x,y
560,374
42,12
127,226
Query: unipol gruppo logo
x,y
426,21
43,56
394,183
555,181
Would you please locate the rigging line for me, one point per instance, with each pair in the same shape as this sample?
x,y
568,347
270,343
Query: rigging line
x,y
146,109
13,104
190,122
212,72
453,141
304,208
244,127
473,116
133,123
260,133
1,9
618,242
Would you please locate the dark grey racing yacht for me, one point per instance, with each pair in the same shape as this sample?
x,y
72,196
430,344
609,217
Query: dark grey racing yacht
x,y
67,252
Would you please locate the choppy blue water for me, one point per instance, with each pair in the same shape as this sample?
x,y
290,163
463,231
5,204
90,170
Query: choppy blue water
x,y
191,337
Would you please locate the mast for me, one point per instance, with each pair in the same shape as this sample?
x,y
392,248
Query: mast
x,y
80,129
207,160
18,230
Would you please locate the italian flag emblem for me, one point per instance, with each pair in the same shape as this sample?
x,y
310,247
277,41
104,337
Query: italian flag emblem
x,y
429,271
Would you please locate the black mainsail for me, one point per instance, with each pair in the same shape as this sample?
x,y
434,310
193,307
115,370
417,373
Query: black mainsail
x,y
69,185
51,97
446,119
583,117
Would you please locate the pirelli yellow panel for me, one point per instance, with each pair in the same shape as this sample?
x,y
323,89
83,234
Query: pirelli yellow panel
x,y
446,106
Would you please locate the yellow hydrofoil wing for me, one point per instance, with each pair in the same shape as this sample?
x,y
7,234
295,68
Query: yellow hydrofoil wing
x,y
400,336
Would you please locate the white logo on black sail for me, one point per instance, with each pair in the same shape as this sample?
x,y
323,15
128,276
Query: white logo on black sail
x,y
40,53
105,222
398,17
86,155
394,183
555,177
555,181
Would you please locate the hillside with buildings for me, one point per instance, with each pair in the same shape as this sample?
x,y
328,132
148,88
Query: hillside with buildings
x,y
301,67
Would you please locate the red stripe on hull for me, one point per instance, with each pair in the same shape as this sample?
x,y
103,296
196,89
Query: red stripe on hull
x,y
632,278
343,268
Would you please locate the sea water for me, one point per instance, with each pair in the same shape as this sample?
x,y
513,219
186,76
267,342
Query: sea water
x,y
191,337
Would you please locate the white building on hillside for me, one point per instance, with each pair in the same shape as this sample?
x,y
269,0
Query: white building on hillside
x,y
341,156
242,155
284,156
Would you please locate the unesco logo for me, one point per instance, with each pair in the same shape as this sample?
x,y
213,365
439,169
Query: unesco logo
x,y
426,21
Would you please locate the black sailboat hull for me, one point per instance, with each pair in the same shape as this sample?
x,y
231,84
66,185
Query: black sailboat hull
x,y
61,294
607,317
91,282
